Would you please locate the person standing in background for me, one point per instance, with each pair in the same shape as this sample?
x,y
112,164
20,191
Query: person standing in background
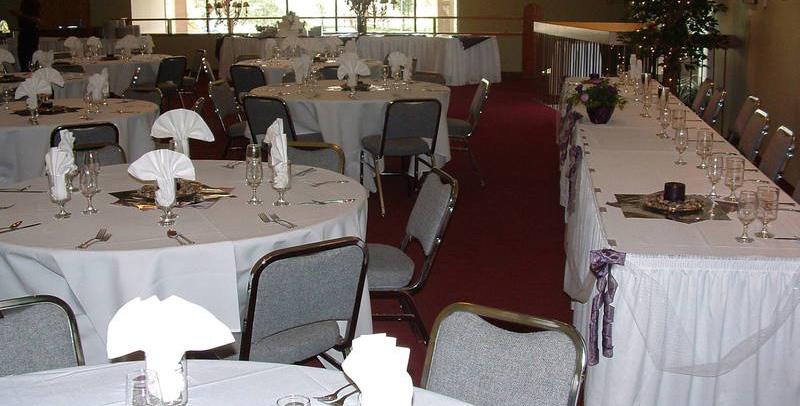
x,y
29,17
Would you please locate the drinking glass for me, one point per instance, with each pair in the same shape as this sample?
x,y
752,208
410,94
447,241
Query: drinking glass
x,y
747,209
734,175
620,70
767,208
142,388
665,120
88,182
387,73
293,400
282,182
663,97
681,143
647,100
254,172
637,90
678,118
62,198
715,169
705,145
88,101
92,160
8,96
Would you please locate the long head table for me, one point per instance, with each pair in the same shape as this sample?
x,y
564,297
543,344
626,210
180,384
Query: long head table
x,y
698,318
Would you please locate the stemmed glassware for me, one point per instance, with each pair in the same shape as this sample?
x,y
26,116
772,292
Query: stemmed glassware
x,y
663,97
734,175
254,172
665,120
647,100
59,200
681,143
8,96
767,208
142,388
282,185
705,145
88,181
747,209
715,169
678,116
92,160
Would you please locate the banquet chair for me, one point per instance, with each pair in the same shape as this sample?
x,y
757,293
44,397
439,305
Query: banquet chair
x,y
753,135
328,73
208,71
701,97
150,94
318,154
37,333
229,114
100,137
288,77
194,68
461,131
262,111
296,297
778,151
61,55
199,105
430,77
408,126
246,57
391,270
9,67
714,109
476,361
246,78
170,77
750,105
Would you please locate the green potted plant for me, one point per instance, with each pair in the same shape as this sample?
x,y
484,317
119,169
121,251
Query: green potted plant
x,y
600,98
362,8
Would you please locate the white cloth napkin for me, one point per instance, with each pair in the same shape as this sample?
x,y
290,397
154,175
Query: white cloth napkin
x,y
163,166
58,163
350,67
301,66
146,42
128,42
278,156
180,125
66,144
332,43
50,75
6,56
378,367
291,42
31,88
73,43
104,74
95,85
397,60
43,58
350,46
94,42
164,330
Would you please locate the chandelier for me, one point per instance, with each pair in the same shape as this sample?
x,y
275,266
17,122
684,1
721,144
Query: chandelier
x,y
228,11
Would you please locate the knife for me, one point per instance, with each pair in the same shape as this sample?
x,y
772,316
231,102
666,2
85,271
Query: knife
x,y
20,191
20,228
324,202
787,238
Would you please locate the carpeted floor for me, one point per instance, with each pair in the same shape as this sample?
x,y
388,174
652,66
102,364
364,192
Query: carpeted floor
x,y
504,245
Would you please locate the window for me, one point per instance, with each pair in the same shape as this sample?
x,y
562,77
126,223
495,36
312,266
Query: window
x,y
333,16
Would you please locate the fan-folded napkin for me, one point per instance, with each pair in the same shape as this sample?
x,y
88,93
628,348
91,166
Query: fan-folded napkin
x,y
50,75
180,125
31,88
350,66
66,144
398,60
73,44
6,56
378,367
301,65
94,42
43,58
128,42
278,157
163,166
164,330
58,163
95,85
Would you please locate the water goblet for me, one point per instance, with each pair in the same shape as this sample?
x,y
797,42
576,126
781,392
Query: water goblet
x,y
620,70
88,101
678,118
92,160
663,97
715,169
664,120
293,400
8,96
88,182
681,143
747,209
637,91
734,175
767,208
59,194
705,145
647,100
254,172
142,388
386,74
282,182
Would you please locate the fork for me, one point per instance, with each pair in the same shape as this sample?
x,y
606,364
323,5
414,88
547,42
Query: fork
x,y
13,189
304,172
331,396
340,401
279,220
102,236
318,184
264,217
6,207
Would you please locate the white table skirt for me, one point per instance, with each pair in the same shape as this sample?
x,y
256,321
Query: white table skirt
x,y
120,71
22,145
210,383
232,47
700,319
74,85
274,70
345,121
141,261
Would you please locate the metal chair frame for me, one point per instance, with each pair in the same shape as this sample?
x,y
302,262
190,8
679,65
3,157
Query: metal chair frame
x,y
712,119
753,155
288,127
703,92
788,154
733,135
237,110
473,121
314,145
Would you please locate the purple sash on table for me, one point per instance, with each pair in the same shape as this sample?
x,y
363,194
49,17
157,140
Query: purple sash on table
x,y
575,154
600,262
469,41
567,132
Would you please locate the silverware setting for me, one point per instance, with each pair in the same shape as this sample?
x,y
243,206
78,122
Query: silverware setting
x,y
102,236
304,172
328,182
330,201
273,218
332,396
232,164
6,207
16,227
180,238
795,238
757,180
340,401
15,189
795,210
12,225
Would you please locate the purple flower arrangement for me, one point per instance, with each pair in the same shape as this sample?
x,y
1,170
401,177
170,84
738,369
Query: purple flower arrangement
x,y
597,92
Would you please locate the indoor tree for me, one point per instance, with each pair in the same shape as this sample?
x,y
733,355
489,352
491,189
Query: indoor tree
x,y
364,8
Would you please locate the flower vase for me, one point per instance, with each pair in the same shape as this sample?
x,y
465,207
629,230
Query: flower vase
x,y
600,115
361,24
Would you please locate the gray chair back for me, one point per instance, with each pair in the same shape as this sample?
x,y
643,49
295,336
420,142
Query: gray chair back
x,y
432,209
749,106
261,112
37,333
328,73
777,153
195,64
150,94
485,365
410,118
246,78
300,286
478,101
701,97
753,135
715,106
222,98
317,154
100,137
171,70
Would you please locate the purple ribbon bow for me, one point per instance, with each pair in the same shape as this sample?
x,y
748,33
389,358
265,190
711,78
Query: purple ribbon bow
x,y
565,138
576,154
600,262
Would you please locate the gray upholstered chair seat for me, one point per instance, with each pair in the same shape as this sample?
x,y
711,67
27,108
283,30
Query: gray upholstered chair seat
x,y
320,158
457,127
316,137
389,267
238,129
297,343
396,146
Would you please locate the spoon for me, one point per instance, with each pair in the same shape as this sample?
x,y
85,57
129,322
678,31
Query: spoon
x,y
178,236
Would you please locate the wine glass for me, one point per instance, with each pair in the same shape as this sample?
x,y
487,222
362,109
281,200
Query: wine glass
x,y
59,194
387,73
88,101
681,143
678,116
747,209
705,145
734,175
665,120
142,388
92,160
663,97
715,169
637,90
647,100
8,96
282,181
767,208
88,182
620,70
254,172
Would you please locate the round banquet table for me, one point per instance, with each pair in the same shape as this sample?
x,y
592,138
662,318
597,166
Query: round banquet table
x,y
140,260
274,69
344,121
121,71
210,383
23,145
74,85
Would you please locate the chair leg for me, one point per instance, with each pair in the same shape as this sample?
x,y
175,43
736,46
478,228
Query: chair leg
x,y
474,162
227,148
361,169
408,312
379,185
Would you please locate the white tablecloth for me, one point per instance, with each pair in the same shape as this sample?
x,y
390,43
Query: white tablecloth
x,y
210,383
232,47
74,85
274,69
120,71
700,319
345,121
141,261
22,145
